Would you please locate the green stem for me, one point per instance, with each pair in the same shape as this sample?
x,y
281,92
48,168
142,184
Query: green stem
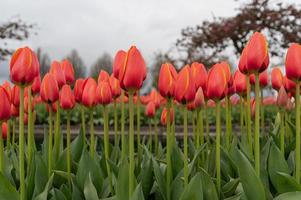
x,y
241,114
199,134
207,122
257,124
138,130
185,147
297,151
282,132
68,149
82,111
57,131
249,134
217,146
115,124
123,144
21,144
194,128
156,136
262,112
131,145
29,130
50,141
92,139
168,151
150,139
201,129
106,144
1,150
227,122
14,131
8,134
172,130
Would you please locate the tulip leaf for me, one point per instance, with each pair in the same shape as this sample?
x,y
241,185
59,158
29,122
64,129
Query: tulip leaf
x,y
289,196
138,194
89,190
58,194
40,174
44,194
122,189
229,188
7,190
252,185
159,179
77,147
208,186
147,175
194,189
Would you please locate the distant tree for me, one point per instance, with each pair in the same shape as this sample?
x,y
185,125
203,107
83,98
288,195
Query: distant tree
x,y
104,62
44,61
14,29
280,22
78,64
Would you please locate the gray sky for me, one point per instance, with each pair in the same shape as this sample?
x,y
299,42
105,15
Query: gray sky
x,y
96,26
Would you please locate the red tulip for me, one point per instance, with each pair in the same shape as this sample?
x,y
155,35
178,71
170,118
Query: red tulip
x,y
4,105
154,96
4,130
36,85
115,86
26,104
67,99
167,79
133,72
24,66
234,99
282,97
263,79
57,71
89,93
199,74
8,89
257,56
103,93
191,106
14,111
49,89
15,96
267,101
242,62
199,99
53,107
164,116
78,89
216,83
68,70
185,87
289,85
293,62
150,109
119,61
103,76
277,78
25,120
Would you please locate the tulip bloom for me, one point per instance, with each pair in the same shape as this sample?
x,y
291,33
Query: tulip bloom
x,y
8,89
167,79
67,99
4,130
216,82
199,74
239,81
57,71
68,70
24,66
276,78
5,111
118,62
103,93
115,87
163,118
15,96
150,109
78,89
49,89
103,76
89,93
263,79
35,87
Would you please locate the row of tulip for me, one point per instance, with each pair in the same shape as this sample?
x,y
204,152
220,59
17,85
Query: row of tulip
x,y
193,89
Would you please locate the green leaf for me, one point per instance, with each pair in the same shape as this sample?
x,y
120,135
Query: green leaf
x,y
288,183
58,195
77,147
44,194
194,189
252,185
229,188
7,191
147,175
41,174
122,189
208,186
159,179
289,196
89,190
138,194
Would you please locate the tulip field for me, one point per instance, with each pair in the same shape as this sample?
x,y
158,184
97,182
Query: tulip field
x,y
200,135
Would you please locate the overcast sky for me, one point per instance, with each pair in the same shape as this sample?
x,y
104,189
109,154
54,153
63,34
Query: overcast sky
x,y
96,26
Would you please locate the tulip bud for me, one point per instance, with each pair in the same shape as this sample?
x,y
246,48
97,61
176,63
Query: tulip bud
x,y
164,116
24,66
239,81
103,76
199,99
8,89
49,89
57,71
155,97
185,87
4,105
89,93
133,72
35,87
277,78
242,62
78,89
263,79
26,101
103,93
115,86
68,71
293,62
289,85
167,79
150,109
119,62
269,101
14,111
15,96
67,99
216,83
191,106
282,97
4,130
199,74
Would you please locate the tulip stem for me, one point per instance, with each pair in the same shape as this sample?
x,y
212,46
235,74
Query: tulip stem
x,y
82,111
297,151
201,130
168,150
249,134
194,128
241,115
106,144
282,132
207,122
1,150
68,149
92,139
138,129
228,121
150,139
257,118
8,134
123,145
21,144
14,131
29,130
197,113
156,136
50,141
131,145
185,147
262,112
115,124
217,145
57,131
173,126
